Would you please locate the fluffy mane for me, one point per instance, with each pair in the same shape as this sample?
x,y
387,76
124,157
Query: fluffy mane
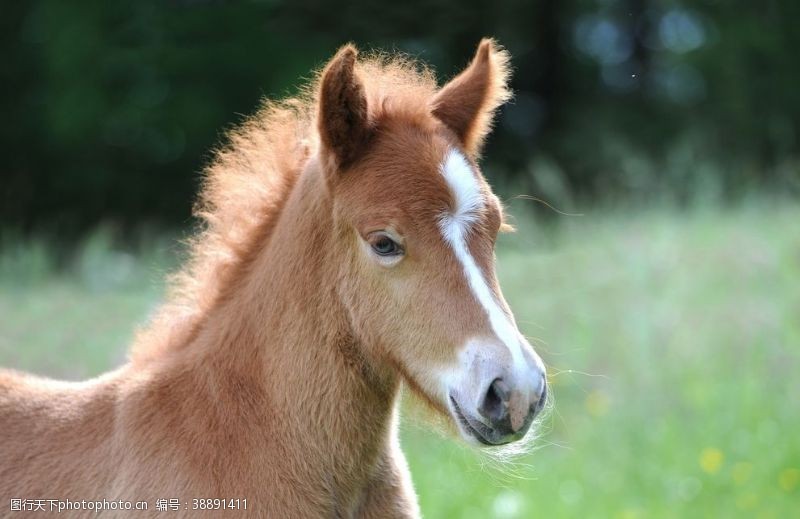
x,y
249,179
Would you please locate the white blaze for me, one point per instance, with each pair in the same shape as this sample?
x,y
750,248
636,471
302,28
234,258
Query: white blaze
x,y
455,227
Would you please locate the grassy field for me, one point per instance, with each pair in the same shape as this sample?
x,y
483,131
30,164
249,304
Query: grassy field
x,y
672,340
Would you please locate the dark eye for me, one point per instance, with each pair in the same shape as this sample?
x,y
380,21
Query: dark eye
x,y
385,246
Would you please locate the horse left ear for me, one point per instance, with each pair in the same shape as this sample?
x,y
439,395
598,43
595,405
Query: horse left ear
x,y
343,117
467,103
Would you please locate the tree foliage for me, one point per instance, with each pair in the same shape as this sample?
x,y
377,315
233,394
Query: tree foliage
x,y
111,108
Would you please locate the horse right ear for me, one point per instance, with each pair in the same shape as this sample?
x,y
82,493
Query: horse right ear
x,y
467,103
343,120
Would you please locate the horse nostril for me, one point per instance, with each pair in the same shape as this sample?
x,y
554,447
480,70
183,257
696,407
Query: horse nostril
x,y
502,389
495,403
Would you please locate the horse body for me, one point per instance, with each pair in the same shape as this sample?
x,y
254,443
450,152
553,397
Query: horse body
x,y
277,382
303,424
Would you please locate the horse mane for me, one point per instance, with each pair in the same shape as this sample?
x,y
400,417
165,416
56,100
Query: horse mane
x,y
249,179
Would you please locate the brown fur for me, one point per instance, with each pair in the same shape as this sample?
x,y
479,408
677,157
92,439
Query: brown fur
x,y
273,370
468,102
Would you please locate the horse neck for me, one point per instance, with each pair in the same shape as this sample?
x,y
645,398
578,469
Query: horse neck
x,y
281,326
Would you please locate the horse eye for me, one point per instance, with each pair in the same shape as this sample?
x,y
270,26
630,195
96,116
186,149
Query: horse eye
x,y
385,246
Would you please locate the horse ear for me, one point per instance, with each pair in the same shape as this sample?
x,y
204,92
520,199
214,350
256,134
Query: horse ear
x,y
467,103
343,117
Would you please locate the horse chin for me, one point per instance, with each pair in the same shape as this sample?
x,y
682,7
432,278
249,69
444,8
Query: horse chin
x,y
475,431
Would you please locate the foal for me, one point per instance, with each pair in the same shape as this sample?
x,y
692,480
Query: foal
x,y
348,248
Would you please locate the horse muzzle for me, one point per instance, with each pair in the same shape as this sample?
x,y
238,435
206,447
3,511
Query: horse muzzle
x,y
496,404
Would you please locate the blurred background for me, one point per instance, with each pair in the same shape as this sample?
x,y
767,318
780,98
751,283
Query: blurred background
x,y
650,157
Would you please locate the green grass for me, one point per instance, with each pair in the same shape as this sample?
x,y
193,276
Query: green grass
x,y
672,339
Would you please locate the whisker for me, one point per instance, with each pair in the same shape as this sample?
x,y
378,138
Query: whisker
x,y
531,323
554,374
536,199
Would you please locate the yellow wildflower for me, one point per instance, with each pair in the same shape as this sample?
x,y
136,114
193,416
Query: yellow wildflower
x,y
788,479
711,460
